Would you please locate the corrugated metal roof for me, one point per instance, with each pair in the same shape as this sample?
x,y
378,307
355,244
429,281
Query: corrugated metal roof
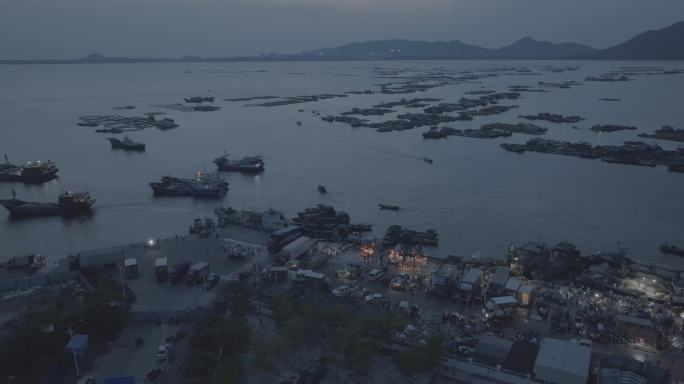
x,y
564,356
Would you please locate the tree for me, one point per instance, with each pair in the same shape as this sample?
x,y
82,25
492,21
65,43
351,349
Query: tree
x,y
234,296
359,356
385,326
297,328
230,335
336,316
199,365
410,361
229,371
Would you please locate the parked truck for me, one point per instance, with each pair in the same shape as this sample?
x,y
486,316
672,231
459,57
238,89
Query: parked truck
x,y
283,237
501,307
131,267
178,272
296,248
313,279
161,268
198,273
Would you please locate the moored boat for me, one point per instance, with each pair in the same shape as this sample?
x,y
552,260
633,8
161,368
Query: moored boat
x,y
202,186
126,144
68,203
247,164
30,172
670,249
389,207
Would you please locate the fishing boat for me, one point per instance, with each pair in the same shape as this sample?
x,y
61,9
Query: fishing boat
x,y
68,203
246,164
670,249
126,144
389,207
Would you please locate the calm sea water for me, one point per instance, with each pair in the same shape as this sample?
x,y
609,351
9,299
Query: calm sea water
x,y
479,197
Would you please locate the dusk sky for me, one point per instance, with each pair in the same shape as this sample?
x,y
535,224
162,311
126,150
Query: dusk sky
x,y
37,29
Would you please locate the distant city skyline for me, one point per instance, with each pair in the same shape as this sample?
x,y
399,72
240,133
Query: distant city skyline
x,y
37,29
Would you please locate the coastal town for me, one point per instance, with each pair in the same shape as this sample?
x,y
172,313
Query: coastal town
x,y
314,299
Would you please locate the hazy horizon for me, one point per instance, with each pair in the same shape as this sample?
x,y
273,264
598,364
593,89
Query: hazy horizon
x,y
35,29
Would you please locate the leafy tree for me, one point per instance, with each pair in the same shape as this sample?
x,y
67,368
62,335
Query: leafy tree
x,y
199,365
230,335
383,327
297,328
234,296
283,307
229,371
336,316
410,361
359,356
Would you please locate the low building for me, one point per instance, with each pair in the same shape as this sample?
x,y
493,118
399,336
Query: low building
x,y
562,362
498,280
492,351
522,357
637,330
616,376
512,286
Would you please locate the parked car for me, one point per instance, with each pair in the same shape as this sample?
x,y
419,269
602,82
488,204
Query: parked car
x,y
212,280
375,299
375,274
163,352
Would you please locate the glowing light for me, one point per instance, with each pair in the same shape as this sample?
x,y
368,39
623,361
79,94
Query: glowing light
x,y
151,242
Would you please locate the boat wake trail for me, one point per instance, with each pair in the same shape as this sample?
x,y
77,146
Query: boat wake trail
x,y
386,149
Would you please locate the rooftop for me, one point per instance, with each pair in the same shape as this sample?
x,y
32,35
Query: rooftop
x,y
563,356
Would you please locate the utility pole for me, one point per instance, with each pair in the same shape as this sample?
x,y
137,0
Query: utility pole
x,y
71,335
121,274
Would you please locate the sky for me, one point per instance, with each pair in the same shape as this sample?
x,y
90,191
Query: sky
x,y
61,29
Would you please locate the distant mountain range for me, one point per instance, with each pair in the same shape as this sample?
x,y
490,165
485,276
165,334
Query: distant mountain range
x,y
526,48
662,44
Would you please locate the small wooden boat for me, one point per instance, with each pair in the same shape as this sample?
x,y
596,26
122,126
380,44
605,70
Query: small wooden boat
x,y
670,249
389,207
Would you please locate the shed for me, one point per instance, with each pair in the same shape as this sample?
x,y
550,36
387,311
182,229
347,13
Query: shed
x,y
637,330
521,358
562,362
492,350
498,280
471,280
78,344
512,286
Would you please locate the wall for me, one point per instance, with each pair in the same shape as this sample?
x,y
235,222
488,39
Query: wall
x,y
37,280
451,367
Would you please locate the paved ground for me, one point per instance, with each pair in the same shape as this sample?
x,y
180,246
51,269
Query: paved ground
x,y
125,359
